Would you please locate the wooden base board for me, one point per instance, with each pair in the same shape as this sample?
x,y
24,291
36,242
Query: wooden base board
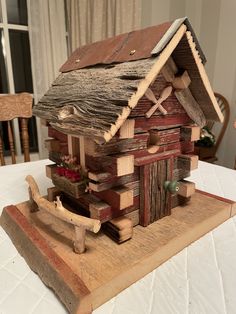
x,y
84,282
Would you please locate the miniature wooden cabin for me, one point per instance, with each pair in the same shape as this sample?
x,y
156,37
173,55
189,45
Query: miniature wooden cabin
x,y
122,117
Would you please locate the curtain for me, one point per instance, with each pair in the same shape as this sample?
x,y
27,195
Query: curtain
x,y
46,20
93,20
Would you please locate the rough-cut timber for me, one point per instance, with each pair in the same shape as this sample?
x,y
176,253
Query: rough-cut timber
x,y
96,101
98,97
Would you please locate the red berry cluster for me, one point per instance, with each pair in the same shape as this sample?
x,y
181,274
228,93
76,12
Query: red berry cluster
x,y
72,175
69,168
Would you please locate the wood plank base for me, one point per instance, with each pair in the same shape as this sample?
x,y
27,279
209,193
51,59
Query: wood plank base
x,y
84,282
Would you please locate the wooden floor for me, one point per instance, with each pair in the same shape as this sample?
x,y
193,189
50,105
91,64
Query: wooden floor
x,y
83,282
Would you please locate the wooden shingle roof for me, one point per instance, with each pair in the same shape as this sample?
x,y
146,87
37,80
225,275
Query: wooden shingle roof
x,y
101,83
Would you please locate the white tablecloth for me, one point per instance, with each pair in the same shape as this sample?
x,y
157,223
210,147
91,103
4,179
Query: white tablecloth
x,y
200,279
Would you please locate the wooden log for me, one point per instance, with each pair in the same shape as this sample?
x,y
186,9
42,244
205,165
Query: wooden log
x,y
116,165
75,189
119,229
187,162
99,176
162,137
135,186
190,105
116,146
134,217
190,133
140,161
124,165
127,129
53,192
114,181
158,149
100,210
160,122
180,174
187,147
186,188
181,82
50,170
118,197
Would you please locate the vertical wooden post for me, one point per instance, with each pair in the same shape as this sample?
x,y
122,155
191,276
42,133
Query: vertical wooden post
x,y
79,244
82,152
2,160
144,195
11,142
25,139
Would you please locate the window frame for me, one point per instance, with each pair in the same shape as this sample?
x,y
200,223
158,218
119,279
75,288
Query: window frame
x,y
9,70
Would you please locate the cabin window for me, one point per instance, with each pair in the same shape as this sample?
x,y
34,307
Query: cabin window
x,y
15,63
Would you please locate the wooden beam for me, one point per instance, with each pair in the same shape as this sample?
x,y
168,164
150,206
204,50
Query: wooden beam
x,y
119,229
187,162
190,133
190,105
100,210
127,129
73,145
186,188
216,113
116,165
99,176
116,146
181,82
118,197
144,196
114,181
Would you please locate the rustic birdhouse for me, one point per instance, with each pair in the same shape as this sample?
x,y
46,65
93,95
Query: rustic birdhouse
x,y
123,116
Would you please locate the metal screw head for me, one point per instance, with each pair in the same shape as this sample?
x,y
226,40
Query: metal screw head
x,y
132,52
77,61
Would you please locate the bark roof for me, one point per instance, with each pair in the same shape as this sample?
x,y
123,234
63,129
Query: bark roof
x,y
99,85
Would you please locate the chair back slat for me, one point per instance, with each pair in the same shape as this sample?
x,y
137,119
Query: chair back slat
x,y
25,138
11,142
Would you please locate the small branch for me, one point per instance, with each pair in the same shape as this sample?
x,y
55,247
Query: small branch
x,y
61,212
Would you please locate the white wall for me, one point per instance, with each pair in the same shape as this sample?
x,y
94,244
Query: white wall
x,y
214,23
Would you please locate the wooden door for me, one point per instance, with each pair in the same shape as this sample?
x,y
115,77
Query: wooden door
x,y
155,201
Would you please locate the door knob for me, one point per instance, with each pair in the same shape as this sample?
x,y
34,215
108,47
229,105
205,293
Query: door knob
x,y
171,186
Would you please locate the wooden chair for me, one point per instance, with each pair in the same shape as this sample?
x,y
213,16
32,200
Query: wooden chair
x,y
209,153
11,107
